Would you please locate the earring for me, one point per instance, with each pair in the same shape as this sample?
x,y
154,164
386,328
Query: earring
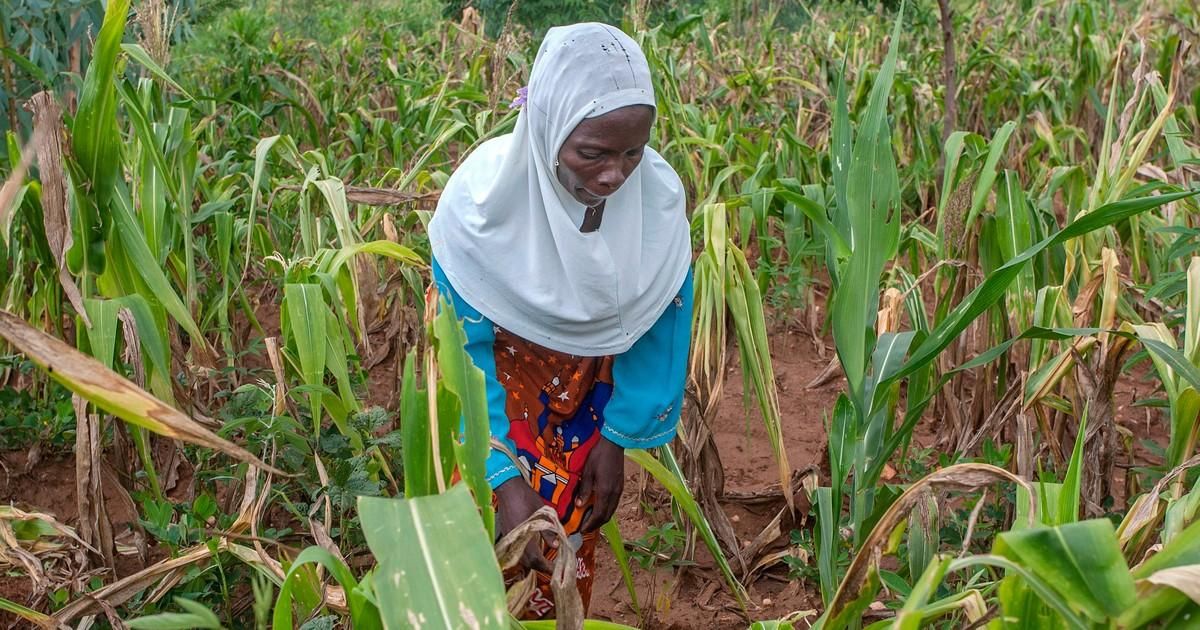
x,y
555,163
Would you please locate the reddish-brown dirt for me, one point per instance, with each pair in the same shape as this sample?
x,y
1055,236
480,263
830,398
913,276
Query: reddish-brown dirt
x,y
749,465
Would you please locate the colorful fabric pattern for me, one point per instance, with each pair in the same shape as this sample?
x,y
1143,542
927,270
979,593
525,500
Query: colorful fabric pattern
x,y
555,405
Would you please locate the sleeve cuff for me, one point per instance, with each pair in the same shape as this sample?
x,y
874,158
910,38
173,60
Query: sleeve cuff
x,y
500,469
631,441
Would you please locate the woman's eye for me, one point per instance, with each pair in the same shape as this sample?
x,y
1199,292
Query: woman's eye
x,y
635,152
589,156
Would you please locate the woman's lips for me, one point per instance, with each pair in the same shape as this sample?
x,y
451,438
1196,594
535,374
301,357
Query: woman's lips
x,y
588,197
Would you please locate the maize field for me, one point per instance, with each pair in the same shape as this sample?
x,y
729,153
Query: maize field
x,y
945,363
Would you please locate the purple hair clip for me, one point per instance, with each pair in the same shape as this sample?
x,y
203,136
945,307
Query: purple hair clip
x,y
522,97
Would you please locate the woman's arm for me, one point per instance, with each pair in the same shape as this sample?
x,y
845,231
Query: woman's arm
x,y
649,379
481,339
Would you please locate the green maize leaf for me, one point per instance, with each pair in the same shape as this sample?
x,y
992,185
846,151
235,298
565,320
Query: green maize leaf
x,y
912,614
924,537
872,209
363,613
28,614
1183,394
445,574
1082,561
414,428
842,432
139,54
1030,580
111,392
1191,326
197,616
816,213
335,195
1174,359
337,362
840,145
96,141
952,153
1160,607
1015,231
466,382
588,624
261,151
143,261
102,336
987,177
7,215
888,356
1068,500
828,517
148,142
395,251
612,533
305,308
676,486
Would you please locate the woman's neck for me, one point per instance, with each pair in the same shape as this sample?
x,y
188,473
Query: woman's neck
x,y
592,217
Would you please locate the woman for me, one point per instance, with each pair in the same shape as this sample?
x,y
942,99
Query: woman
x,y
564,247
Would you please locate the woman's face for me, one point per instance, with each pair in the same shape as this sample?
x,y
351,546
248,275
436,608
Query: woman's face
x,y
601,152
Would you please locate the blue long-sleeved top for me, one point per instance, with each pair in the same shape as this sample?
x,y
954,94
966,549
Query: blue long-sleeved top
x,y
648,379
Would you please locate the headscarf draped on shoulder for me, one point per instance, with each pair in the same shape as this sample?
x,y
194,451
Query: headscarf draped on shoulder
x,y
506,232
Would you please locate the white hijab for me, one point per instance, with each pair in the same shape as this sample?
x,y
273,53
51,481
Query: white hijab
x,y
506,232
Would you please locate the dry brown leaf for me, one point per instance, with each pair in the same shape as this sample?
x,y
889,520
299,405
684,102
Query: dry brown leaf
x,y
567,603
94,526
10,513
962,477
11,548
112,392
519,593
1145,509
1185,579
48,120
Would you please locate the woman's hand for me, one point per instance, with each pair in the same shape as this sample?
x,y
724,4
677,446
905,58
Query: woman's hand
x,y
602,481
515,503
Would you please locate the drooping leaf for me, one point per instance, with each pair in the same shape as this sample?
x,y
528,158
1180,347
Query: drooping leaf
x,y
1081,561
112,392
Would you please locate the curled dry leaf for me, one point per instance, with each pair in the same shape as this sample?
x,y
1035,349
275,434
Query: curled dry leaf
x,y
1146,509
519,593
567,602
12,551
48,139
1185,579
10,513
961,477
112,392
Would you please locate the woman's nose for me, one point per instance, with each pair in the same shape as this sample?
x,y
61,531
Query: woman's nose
x,y
610,179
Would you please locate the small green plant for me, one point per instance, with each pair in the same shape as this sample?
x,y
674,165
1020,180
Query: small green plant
x,y
662,546
27,419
